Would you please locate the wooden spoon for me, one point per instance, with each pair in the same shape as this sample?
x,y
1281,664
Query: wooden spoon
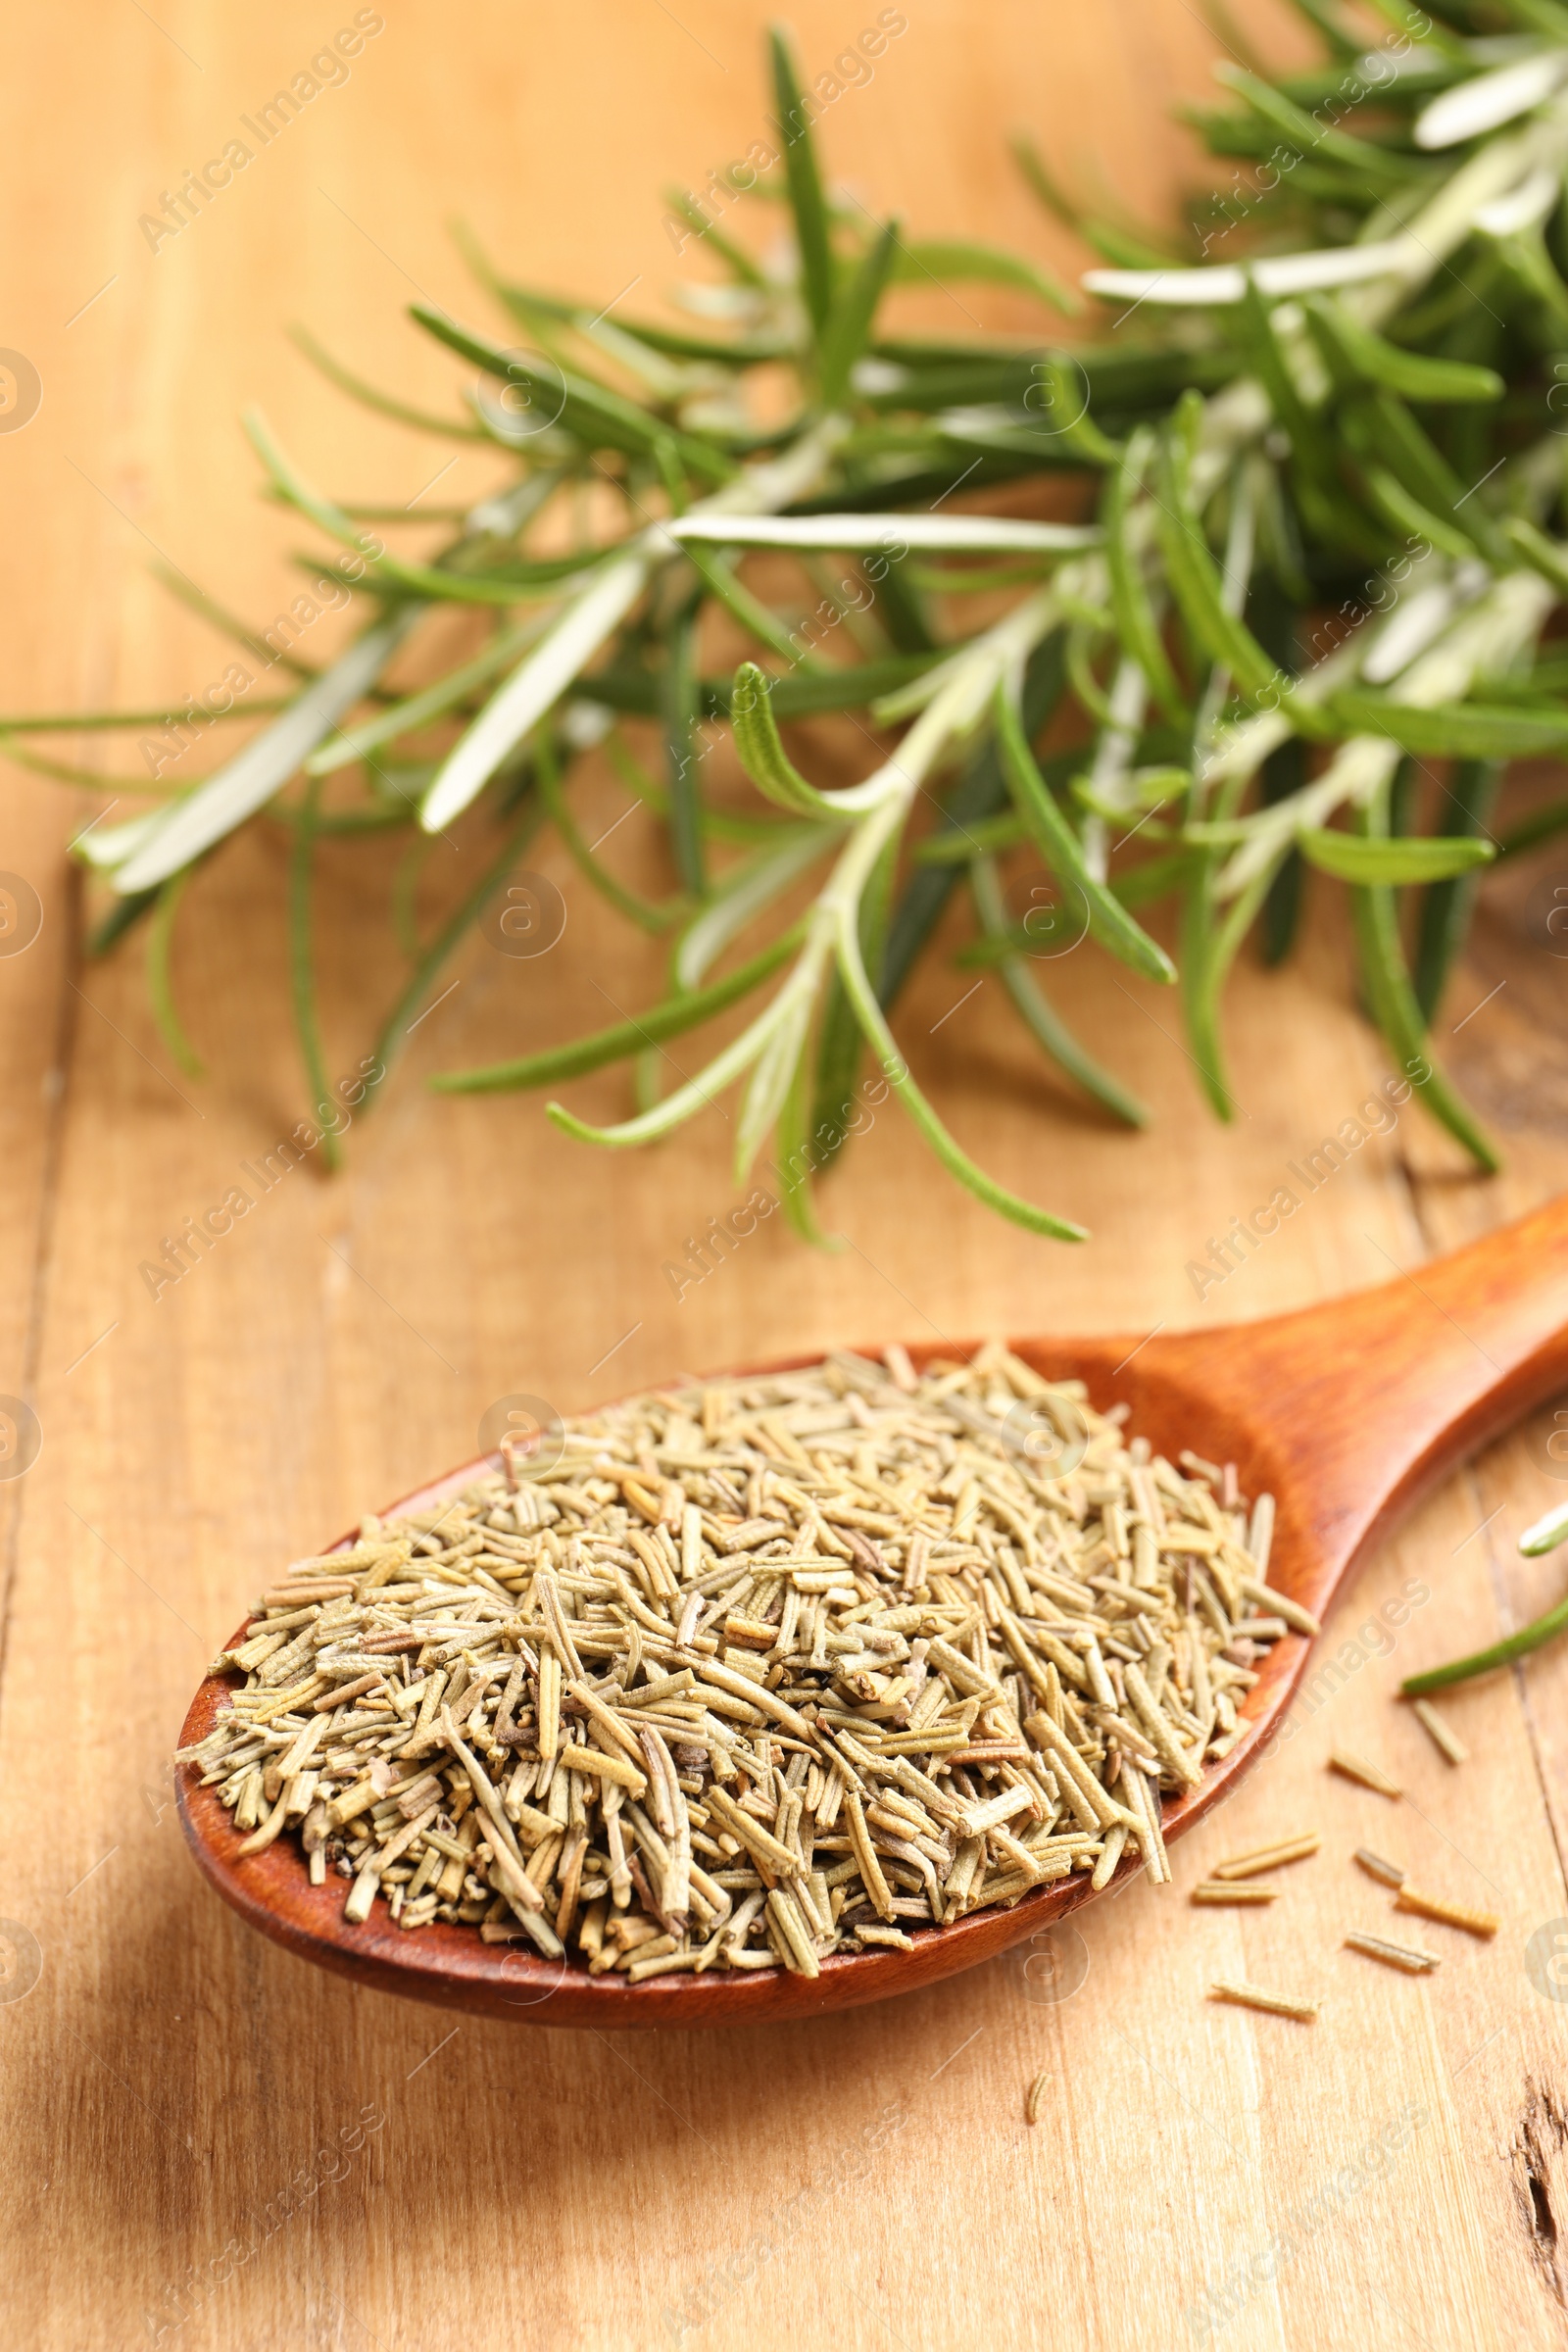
x,y
1345,1412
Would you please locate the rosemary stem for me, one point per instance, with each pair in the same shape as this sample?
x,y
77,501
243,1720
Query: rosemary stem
x,y
1534,1636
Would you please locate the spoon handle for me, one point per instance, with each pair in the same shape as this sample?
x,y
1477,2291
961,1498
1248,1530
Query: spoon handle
x,y
1366,1402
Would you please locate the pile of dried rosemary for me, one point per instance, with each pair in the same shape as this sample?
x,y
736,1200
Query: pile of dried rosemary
x,y
759,1670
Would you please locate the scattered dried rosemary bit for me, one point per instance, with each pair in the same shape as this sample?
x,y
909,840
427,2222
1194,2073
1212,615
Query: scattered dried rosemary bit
x,y
1452,1915
1268,1857
1252,1996
1394,1955
1031,2105
1386,1874
1231,1891
1449,1741
1356,1768
757,1671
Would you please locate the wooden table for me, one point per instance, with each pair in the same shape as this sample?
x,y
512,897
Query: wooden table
x,y
210,2144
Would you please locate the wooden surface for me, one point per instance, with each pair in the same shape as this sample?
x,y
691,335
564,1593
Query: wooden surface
x,y
208,2143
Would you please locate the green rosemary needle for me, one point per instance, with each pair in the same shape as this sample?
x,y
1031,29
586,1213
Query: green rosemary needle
x,y
1543,1536
1547,1534
1534,1636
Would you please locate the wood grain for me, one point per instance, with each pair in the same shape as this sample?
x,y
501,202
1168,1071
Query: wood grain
x,y
1394,2174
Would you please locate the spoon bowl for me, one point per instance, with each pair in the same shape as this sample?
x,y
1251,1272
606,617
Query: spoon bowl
x,y
1347,1412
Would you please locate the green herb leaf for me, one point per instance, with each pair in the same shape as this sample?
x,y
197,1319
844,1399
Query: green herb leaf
x,y
717,575
1532,1636
680,715
761,751
1062,851
1197,586
1545,1534
409,1004
417,710
591,413
1129,593
1363,354
677,1014
628,902
807,200
1034,1009
1541,554
1308,136
978,793
1409,857
160,979
265,766
854,313
370,397
1450,730
1393,1001
941,257
1447,907
302,966
1402,513
896,1070
796,1160
534,687
840,1040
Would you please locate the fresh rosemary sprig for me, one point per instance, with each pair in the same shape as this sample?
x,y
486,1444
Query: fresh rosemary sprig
x,y
1546,1536
1300,624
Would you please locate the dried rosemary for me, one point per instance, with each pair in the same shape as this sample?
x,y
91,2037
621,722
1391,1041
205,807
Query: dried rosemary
x,y
1269,1857
1253,1996
1442,1734
1368,1776
755,1672
1413,1962
1452,1915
